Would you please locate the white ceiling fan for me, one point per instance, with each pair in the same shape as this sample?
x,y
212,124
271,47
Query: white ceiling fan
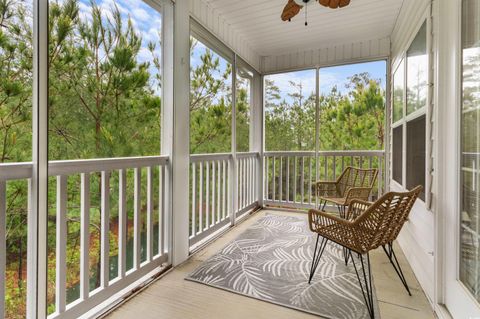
x,y
293,7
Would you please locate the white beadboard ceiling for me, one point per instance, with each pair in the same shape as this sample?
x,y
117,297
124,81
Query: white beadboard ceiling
x,y
259,23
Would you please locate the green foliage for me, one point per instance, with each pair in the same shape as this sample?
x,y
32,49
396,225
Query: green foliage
x,y
350,121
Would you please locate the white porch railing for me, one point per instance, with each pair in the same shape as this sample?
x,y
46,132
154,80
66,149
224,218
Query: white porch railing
x,y
103,168
212,193
289,177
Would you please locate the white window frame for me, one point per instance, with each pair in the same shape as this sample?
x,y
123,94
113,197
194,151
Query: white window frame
x,y
424,111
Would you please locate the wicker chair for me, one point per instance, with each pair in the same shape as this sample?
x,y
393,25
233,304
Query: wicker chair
x,y
365,227
354,183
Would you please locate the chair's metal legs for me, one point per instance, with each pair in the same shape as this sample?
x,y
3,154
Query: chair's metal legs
x,y
388,249
317,254
323,207
346,255
364,276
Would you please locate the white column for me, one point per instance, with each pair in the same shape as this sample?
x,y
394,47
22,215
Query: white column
x,y
256,131
37,219
233,167
181,133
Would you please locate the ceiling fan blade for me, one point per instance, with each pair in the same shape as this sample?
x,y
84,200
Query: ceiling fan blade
x,y
290,10
334,4
324,3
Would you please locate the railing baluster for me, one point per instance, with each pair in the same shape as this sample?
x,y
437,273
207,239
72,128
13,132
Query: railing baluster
x,y
274,177
218,192
310,181
200,194
137,200
194,195
334,168
224,196
3,244
84,235
214,172
380,177
245,182
280,187
105,225
240,183
343,163
267,177
161,210
61,245
295,180
288,179
303,179
207,198
325,162
122,222
149,214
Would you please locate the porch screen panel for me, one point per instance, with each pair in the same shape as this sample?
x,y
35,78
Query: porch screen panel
x,y
244,83
105,101
16,84
470,156
352,107
210,99
290,111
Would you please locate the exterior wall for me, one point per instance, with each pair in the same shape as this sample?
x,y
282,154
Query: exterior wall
x,y
418,234
213,21
328,56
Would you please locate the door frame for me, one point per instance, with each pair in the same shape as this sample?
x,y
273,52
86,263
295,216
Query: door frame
x,y
450,291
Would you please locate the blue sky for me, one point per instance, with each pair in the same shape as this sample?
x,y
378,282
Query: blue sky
x,y
146,20
329,77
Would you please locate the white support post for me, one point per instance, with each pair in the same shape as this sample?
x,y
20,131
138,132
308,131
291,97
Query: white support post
x,y
181,135
38,215
257,123
233,168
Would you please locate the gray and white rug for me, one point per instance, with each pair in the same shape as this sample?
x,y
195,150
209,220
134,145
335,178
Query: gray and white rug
x,y
271,261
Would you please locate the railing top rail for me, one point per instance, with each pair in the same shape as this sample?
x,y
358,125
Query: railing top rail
x,y
209,157
16,171
104,164
289,153
13,171
327,153
247,154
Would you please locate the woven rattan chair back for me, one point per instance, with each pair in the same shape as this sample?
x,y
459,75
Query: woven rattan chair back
x,y
382,221
356,177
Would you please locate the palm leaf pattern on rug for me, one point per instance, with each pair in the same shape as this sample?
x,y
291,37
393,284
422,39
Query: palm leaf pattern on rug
x,y
271,261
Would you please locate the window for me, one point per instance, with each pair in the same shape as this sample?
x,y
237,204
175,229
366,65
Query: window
x,y
290,111
397,154
410,115
470,150
416,153
398,92
417,72
210,100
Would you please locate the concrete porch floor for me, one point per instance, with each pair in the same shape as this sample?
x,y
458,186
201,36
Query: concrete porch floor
x,y
173,297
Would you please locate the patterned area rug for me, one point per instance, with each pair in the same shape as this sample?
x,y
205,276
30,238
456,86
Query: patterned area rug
x,y
271,261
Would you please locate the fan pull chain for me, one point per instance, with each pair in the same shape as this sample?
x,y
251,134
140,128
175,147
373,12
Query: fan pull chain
x,y
306,10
